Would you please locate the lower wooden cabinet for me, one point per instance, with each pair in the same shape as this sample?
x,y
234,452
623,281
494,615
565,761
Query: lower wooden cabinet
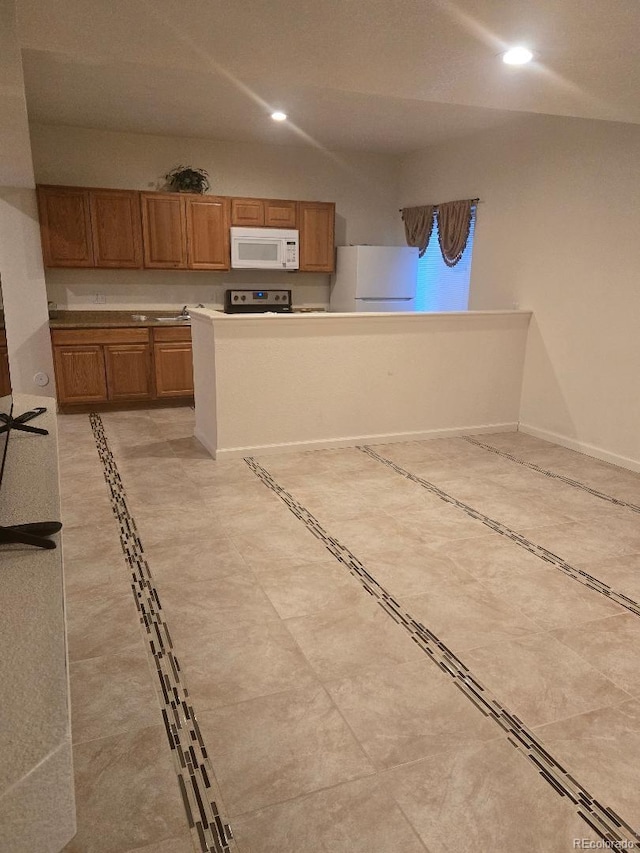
x,y
122,365
128,368
173,362
174,369
80,374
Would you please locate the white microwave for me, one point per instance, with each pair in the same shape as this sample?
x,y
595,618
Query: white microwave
x,y
264,249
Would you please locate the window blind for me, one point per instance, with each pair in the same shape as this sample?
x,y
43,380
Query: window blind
x,y
443,288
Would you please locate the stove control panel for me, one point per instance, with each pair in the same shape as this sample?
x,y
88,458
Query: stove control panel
x,y
257,301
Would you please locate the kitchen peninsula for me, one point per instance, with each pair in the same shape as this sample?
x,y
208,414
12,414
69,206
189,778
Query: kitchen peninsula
x,y
266,383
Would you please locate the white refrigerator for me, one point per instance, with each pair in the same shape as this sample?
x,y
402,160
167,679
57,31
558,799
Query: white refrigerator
x,y
375,278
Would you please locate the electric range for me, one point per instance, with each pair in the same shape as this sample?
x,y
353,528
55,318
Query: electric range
x,y
257,301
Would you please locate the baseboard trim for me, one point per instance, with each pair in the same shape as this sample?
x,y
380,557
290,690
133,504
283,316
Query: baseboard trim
x,y
354,440
581,447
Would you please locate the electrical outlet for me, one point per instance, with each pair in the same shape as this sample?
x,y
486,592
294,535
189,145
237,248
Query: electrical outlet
x,y
100,299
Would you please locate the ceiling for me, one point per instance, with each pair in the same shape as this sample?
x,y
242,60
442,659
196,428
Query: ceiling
x,y
377,75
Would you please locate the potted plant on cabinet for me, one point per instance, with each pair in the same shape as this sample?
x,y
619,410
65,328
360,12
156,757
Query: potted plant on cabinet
x,y
184,179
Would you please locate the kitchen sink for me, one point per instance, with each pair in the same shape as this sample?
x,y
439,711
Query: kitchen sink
x,y
140,318
172,319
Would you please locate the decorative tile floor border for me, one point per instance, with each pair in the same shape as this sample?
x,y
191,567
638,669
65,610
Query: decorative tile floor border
x,y
191,760
609,826
578,575
570,482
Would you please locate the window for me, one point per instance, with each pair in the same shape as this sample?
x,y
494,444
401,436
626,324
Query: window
x,y
443,288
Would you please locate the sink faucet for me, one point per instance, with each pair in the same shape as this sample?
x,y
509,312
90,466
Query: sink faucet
x,y
184,312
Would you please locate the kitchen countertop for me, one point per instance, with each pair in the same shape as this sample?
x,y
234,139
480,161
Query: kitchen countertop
x,y
35,741
329,318
112,319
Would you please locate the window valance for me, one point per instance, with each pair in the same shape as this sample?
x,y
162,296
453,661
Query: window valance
x,y
418,225
454,223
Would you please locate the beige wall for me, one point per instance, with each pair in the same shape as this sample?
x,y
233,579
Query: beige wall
x,y
363,186
23,286
557,233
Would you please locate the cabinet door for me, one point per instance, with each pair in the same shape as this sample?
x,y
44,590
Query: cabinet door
x,y
247,211
128,371
116,229
316,221
208,233
280,214
173,369
164,235
5,380
80,374
65,226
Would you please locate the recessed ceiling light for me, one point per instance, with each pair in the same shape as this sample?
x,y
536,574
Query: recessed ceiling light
x,y
278,116
517,56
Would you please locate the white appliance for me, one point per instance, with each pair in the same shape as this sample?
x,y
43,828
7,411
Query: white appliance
x,y
375,278
264,249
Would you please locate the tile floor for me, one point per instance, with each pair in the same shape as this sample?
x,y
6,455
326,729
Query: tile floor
x,y
333,723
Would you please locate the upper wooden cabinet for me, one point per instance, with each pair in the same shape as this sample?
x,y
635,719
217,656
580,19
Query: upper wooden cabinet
x,y
65,223
164,230
316,222
90,228
207,232
127,229
247,211
181,231
280,214
264,212
115,228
